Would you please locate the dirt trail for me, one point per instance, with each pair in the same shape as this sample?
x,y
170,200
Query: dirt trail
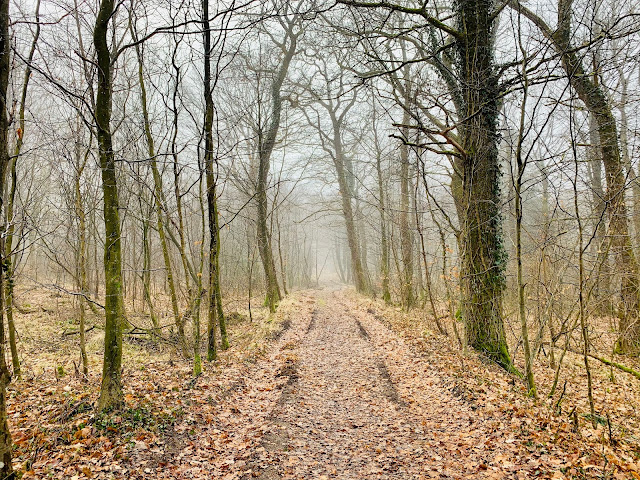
x,y
357,403
340,396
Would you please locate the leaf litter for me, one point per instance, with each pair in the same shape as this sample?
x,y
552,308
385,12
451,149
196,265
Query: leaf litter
x,y
343,390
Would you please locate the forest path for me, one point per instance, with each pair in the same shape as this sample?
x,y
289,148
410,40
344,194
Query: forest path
x,y
357,403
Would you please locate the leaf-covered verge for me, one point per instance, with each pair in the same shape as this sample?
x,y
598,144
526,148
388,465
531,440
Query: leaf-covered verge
x,y
56,430
555,431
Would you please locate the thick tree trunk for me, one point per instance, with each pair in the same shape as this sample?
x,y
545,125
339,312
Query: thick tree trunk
x,y
266,143
264,238
111,396
483,255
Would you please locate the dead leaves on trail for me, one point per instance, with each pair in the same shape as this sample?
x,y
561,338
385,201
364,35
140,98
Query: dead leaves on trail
x,y
522,433
348,390
172,427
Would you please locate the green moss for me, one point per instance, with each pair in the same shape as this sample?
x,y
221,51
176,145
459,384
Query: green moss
x,y
130,420
598,419
197,365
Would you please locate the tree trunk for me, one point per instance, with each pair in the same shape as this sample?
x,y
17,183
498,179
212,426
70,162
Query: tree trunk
x,y
406,248
216,315
197,358
626,158
160,203
384,243
361,232
425,263
146,269
601,292
6,468
82,261
111,396
176,177
281,257
264,238
521,163
266,143
483,255
357,269
345,184
9,266
543,296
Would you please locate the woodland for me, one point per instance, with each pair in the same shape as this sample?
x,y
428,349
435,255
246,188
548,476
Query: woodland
x,y
319,239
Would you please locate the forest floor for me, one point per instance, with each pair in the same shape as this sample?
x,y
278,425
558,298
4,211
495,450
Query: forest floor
x,y
334,387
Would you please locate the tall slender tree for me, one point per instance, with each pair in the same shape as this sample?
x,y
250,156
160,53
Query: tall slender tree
x,y
158,190
11,198
216,314
266,142
596,101
335,97
6,468
111,396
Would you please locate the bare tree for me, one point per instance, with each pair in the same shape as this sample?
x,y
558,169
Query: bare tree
x,y
111,391
334,96
6,468
598,105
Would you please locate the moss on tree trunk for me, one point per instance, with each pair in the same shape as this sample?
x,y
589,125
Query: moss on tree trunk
x,y
111,396
216,314
6,469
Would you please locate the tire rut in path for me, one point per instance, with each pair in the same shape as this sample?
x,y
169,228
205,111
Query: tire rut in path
x,y
361,404
363,332
387,385
342,416
278,438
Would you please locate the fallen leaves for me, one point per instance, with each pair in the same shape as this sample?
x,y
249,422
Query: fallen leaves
x,y
172,426
351,389
526,433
